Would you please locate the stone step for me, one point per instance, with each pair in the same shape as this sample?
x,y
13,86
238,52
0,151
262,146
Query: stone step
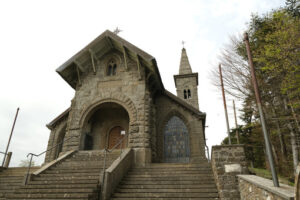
x,y
6,181
75,168
166,175
60,186
63,182
168,195
98,157
174,165
68,170
170,178
64,178
157,172
75,173
54,190
169,190
82,164
172,169
174,186
47,196
161,198
181,182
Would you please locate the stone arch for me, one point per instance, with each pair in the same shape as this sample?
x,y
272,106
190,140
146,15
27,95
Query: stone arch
x,y
120,99
162,125
108,97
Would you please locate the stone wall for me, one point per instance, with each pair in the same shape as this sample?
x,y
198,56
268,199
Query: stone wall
x,y
57,135
166,108
227,162
255,187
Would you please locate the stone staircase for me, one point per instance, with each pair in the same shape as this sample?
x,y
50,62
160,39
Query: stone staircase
x,y
167,182
12,178
75,177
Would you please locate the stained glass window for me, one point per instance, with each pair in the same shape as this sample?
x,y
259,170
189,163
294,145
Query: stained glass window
x,y
176,141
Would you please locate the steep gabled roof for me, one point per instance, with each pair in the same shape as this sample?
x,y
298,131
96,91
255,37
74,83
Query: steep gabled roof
x,y
185,105
82,61
58,119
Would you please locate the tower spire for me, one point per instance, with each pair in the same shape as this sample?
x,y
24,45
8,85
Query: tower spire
x,y
185,67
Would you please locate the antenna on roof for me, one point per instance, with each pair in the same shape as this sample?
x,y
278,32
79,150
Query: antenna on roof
x,y
117,31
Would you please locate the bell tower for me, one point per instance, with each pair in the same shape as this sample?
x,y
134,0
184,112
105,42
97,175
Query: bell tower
x,y
186,82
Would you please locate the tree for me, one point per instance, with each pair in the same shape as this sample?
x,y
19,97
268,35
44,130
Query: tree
x,y
275,45
25,163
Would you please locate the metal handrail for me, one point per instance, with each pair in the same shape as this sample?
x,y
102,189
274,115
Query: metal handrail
x,y
37,155
4,153
106,150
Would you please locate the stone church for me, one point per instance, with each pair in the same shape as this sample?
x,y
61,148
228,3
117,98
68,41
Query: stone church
x,y
119,93
124,137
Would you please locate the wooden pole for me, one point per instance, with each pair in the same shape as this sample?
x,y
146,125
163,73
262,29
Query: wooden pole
x,y
236,125
224,102
261,114
11,132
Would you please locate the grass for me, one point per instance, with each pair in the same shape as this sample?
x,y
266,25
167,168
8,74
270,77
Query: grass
x,y
267,174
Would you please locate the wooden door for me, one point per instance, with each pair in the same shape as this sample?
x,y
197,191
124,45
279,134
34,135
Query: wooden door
x,y
115,137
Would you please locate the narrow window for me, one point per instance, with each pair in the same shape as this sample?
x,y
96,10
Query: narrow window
x,y
184,94
114,69
189,94
111,68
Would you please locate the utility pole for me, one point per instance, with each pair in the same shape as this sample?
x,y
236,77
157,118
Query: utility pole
x,y
236,125
224,101
261,114
12,130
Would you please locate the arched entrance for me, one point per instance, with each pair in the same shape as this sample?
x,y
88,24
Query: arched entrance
x,y
108,124
176,141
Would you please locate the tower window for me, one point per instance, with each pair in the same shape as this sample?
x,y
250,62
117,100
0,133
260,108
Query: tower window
x,y
184,94
189,95
111,68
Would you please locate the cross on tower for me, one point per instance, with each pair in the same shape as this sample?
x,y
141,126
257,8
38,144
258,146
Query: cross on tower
x,y
183,42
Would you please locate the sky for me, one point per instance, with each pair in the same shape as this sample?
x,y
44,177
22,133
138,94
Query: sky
x,y
38,36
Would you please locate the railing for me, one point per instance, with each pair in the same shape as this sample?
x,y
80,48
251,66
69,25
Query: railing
x,y
3,153
106,150
37,155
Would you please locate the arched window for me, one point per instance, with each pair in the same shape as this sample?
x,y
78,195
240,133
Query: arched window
x,y
176,141
184,94
189,94
111,68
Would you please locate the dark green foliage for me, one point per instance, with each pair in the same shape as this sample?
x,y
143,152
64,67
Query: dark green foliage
x,y
275,46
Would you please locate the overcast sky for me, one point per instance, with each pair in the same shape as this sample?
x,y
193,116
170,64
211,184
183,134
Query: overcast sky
x,y
38,36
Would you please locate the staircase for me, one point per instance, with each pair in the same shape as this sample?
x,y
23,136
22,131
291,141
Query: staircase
x,y
75,177
168,181
12,178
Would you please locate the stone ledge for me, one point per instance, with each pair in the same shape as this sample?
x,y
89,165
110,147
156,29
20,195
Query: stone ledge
x,y
228,146
284,191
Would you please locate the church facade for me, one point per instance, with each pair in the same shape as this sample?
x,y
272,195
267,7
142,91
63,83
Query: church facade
x,y
119,96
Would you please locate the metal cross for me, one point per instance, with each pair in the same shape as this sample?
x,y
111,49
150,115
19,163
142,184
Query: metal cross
x,y
183,42
117,31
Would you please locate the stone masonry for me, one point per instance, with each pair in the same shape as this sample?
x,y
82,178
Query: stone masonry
x,y
135,86
227,162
